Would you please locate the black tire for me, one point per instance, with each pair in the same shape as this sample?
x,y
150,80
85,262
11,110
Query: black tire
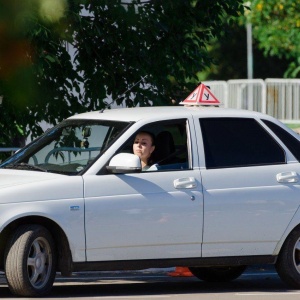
x,y
218,274
288,262
30,261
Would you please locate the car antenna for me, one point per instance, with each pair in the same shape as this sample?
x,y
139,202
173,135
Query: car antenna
x,y
102,110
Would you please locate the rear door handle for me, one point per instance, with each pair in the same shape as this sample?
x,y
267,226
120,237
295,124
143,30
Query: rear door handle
x,y
287,177
185,183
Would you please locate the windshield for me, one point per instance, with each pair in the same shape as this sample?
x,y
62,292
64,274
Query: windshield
x,y
67,148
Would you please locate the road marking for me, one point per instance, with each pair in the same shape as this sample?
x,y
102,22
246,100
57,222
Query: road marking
x,y
268,294
260,274
131,297
82,278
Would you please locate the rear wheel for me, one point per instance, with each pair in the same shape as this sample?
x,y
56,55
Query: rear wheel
x,y
218,274
30,261
288,262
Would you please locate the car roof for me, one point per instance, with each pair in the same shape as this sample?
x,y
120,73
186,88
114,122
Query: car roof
x,y
141,113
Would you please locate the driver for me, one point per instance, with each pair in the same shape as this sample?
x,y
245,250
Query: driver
x,y
143,146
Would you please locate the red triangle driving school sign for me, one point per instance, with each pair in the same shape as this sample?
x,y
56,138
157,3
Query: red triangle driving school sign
x,y
201,96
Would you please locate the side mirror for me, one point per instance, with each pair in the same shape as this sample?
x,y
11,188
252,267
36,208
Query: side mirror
x,y
124,163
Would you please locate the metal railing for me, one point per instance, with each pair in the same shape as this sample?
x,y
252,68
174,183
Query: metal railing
x,y
279,98
283,97
10,150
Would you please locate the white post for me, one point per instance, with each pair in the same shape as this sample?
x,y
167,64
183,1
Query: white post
x,y
249,51
249,66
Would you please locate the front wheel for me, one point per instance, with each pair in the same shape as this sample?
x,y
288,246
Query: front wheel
x,y
218,274
30,261
288,262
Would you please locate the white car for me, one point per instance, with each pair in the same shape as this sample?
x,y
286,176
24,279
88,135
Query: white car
x,y
225,194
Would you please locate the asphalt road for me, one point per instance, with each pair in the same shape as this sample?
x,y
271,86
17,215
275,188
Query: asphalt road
x,y
259,283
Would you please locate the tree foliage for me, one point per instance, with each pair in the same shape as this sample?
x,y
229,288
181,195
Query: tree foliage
x,y
230,57
37,78
135,52
276,27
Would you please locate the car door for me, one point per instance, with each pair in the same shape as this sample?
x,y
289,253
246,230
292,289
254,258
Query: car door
x,y
251,188
147,215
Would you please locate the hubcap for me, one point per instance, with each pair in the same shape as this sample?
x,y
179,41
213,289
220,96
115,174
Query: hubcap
x,y
39,262
297,256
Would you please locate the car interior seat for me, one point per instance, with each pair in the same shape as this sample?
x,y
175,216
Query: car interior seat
x,y
164,148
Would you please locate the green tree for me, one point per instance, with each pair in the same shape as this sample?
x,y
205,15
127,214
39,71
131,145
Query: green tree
x,y
164,40
159,44
230,57
37,77
276,28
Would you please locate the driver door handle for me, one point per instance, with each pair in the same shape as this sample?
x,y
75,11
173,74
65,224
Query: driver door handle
x,y
185,183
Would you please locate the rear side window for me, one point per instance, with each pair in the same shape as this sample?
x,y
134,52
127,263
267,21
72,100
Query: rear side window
x,y
238,142
290,141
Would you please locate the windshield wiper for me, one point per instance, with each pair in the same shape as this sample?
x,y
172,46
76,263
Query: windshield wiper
x,y
24,166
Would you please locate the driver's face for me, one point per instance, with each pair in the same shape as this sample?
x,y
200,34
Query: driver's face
x,y
142,146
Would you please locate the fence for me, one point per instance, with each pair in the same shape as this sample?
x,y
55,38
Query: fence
x,y
279,98
10,150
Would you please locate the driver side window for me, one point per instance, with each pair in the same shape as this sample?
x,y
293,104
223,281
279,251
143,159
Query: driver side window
x,y
170,141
